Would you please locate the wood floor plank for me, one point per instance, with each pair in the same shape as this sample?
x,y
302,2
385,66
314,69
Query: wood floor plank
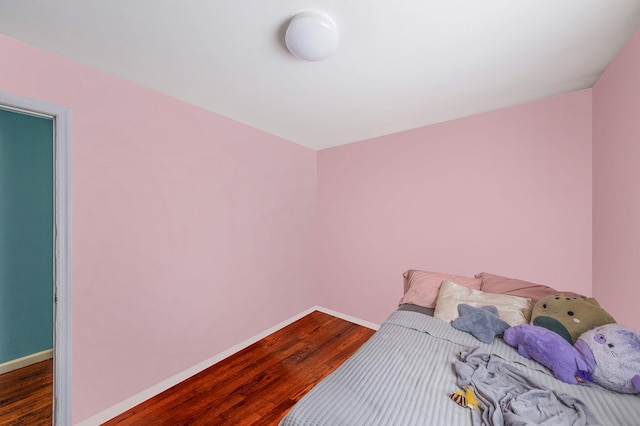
x,y
260,384
26,395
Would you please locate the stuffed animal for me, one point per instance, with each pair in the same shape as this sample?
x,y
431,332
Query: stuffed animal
x,y
483,323
569,316
472,400
612,353
549,349
465,398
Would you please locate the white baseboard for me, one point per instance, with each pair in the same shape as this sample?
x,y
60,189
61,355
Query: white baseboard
x,y
131,402
14,364
349,318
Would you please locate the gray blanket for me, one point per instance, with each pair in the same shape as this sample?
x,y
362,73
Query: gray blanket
x,y
513,398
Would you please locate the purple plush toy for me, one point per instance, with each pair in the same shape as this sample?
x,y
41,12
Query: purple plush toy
x,y
551,350
612,352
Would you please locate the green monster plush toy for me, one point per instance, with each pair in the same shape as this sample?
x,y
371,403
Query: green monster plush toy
x,y
569,316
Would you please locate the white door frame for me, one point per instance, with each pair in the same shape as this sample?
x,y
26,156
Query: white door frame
x,y
62,232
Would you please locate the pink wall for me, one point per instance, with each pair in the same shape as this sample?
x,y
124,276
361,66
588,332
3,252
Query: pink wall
x,y
182,220
507,192
616,185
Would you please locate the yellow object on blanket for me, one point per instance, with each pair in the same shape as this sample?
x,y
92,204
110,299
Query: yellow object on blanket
x,y
466,399
470,394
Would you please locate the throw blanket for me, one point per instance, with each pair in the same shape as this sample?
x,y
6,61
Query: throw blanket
x,y
511,397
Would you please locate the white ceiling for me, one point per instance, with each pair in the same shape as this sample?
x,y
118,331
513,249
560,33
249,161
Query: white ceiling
x,y
400,64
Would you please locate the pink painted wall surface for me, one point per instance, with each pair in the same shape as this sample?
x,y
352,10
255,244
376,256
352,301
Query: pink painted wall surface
x,y
616,185
183,222
507,192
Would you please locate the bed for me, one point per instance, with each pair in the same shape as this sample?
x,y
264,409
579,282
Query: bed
x,y
406,372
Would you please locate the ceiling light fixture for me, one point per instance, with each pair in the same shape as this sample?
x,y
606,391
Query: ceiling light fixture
x,y
311,36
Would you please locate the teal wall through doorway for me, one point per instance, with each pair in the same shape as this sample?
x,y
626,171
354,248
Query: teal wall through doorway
x,y
26,235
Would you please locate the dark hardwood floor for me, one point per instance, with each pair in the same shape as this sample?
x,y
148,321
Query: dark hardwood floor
x,y
258,385
26,395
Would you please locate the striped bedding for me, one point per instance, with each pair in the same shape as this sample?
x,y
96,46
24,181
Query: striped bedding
x,y
404,375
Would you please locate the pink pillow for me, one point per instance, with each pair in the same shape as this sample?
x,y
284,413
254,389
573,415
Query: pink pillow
x,y
502,285
421,287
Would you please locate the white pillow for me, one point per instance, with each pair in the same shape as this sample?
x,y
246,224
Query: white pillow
x,y
512,309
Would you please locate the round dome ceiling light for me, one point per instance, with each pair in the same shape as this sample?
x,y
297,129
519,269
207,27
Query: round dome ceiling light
x,y
311,36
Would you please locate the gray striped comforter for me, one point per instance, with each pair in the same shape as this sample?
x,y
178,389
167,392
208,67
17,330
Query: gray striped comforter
x,y
404,374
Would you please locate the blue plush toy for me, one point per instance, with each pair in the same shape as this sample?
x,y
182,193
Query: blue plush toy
x,y
612,353
551,350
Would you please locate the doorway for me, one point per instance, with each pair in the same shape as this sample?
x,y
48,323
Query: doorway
x,y
59,119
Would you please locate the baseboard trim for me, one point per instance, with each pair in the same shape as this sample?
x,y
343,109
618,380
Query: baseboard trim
x,y
129,403
349,318
25,361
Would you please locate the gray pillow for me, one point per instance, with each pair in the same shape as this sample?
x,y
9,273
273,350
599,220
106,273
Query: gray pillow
x,y
483,323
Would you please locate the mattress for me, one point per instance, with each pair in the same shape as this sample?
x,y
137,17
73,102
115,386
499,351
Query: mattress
x,y
405,373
